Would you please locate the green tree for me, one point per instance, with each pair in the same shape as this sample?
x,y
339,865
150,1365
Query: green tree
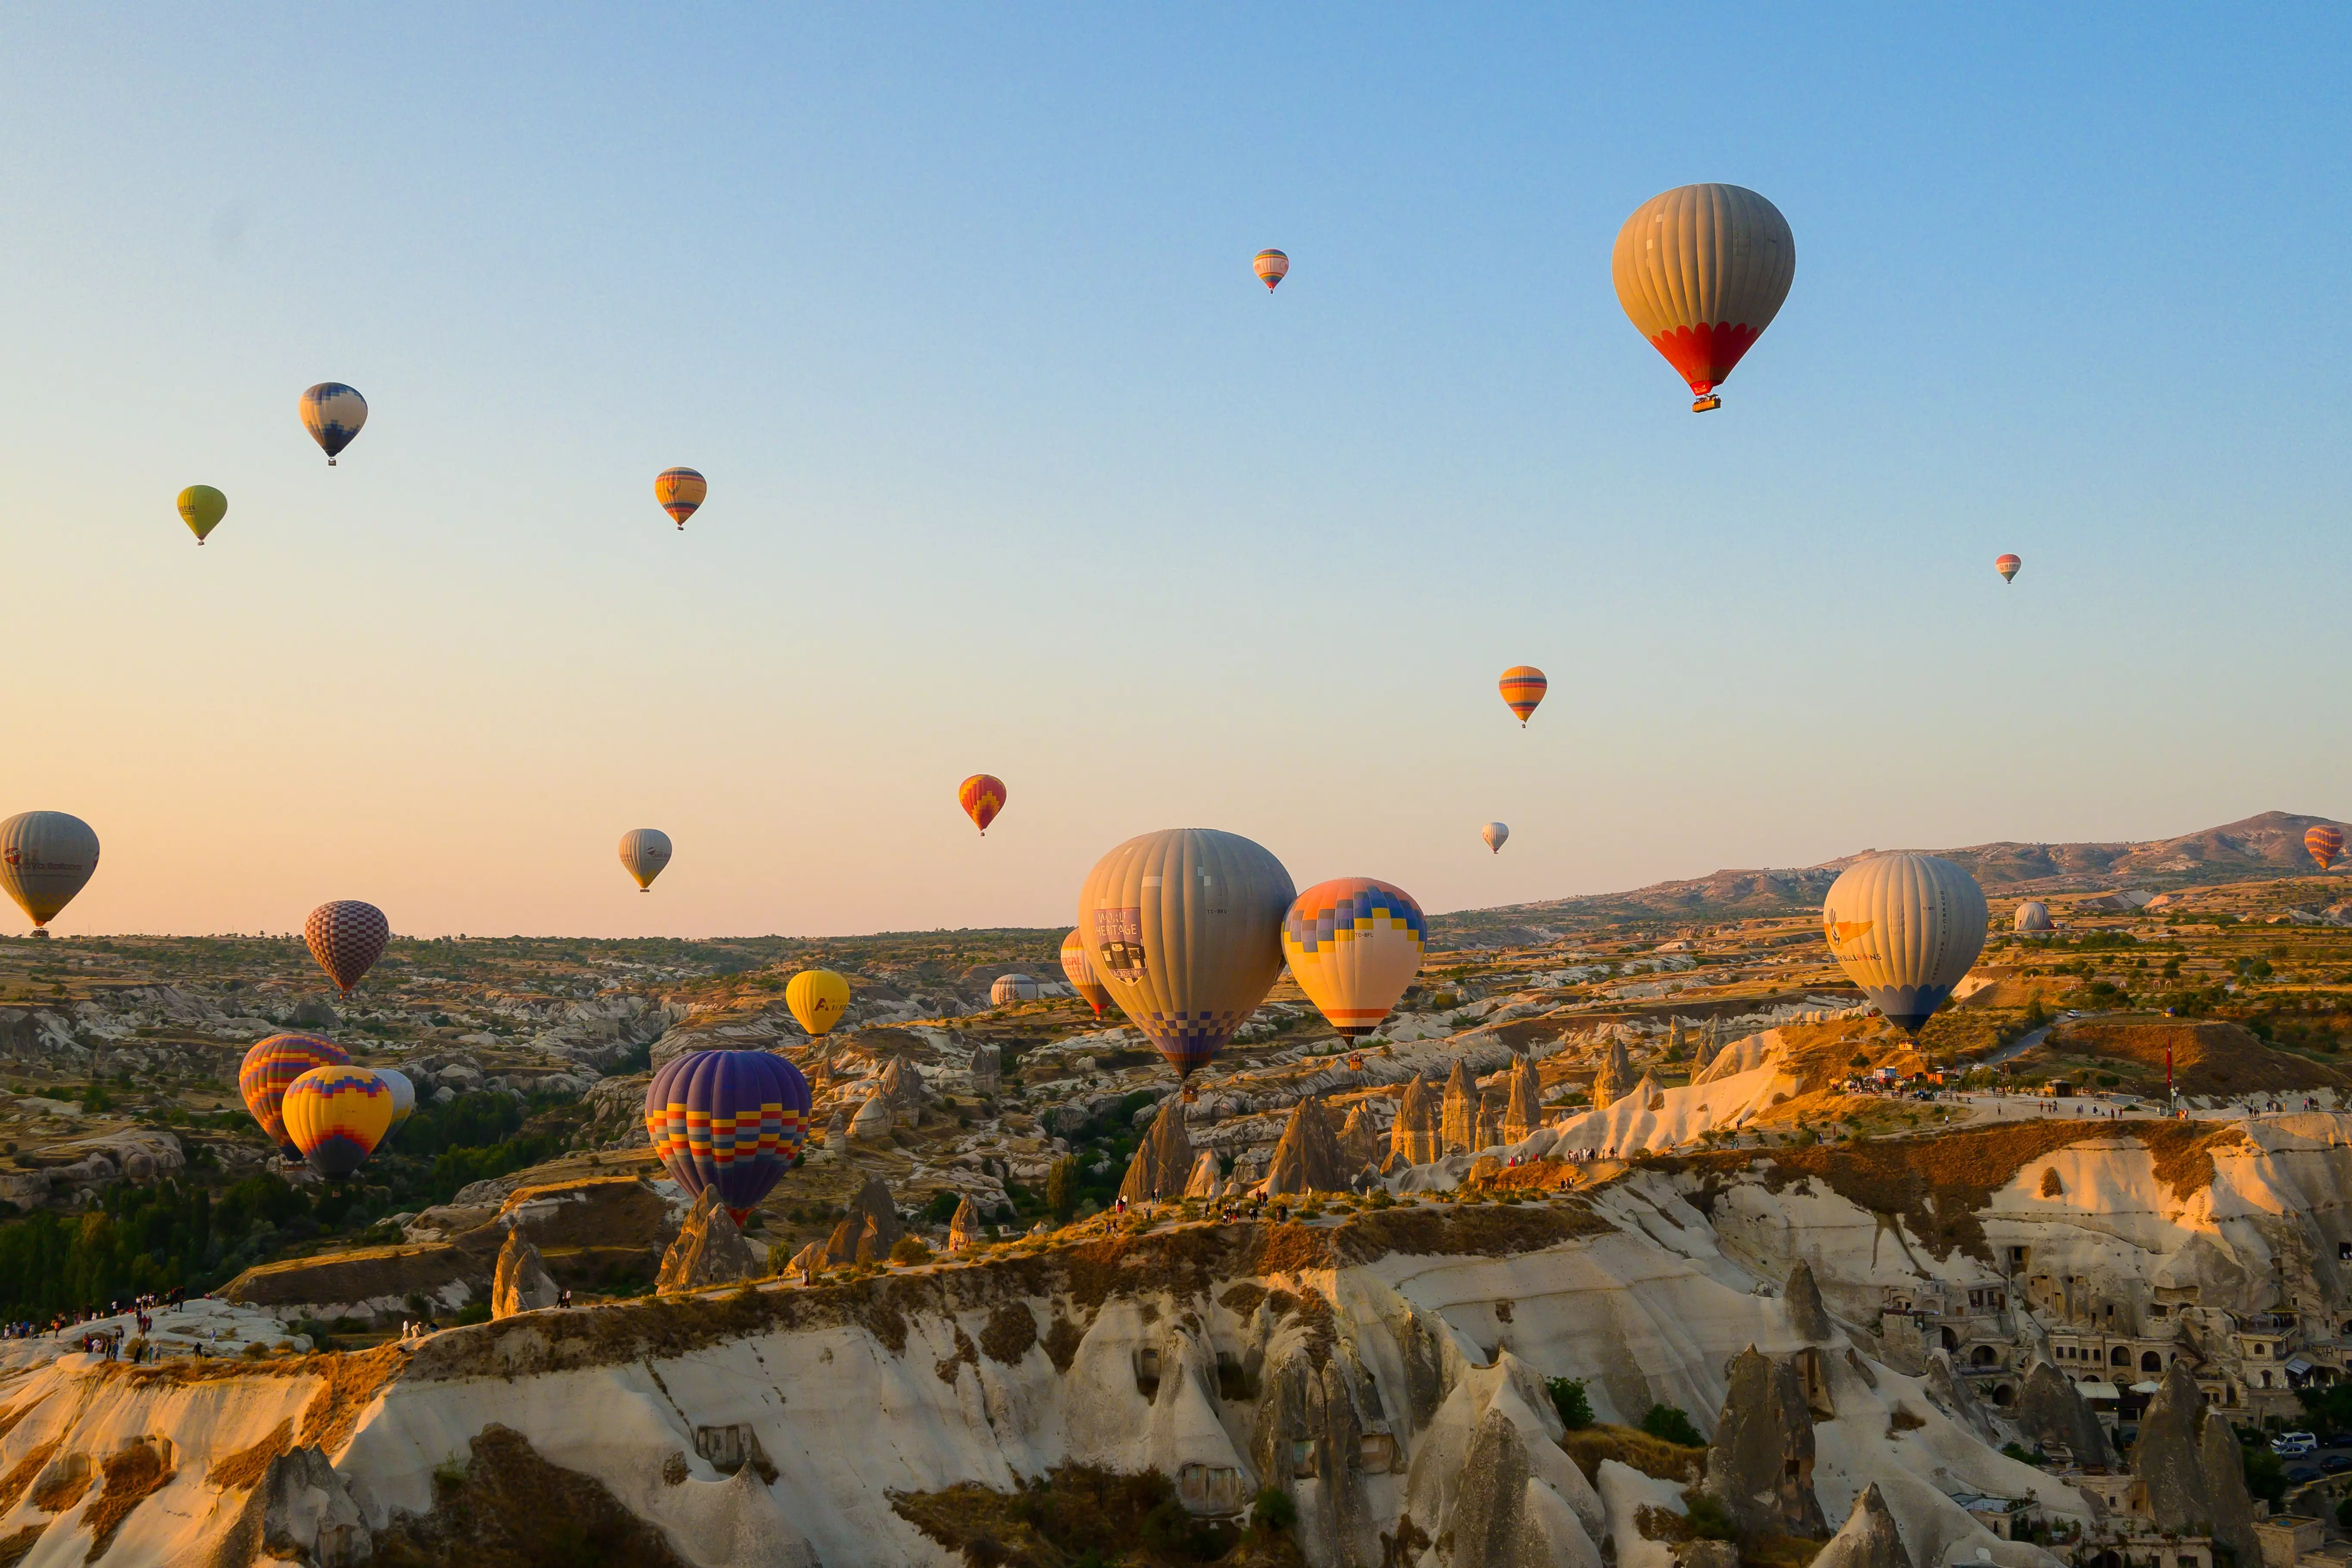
x,y
1062,1188
1667,1423
1567,1398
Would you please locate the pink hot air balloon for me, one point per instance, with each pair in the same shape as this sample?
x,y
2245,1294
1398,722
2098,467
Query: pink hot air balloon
x,y
346,937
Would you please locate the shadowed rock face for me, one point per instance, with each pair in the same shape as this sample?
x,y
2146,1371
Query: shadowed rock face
x,y
1760,1464
873,1208
708,1250
1615,1077
2188,1460
1164,1165
1952,1393
1458,1129
522,1283
1307,1159
1806,1312
1206,1180
1868,1538
963,1230
1523,1113
1308,1430
1489,1520
1360,1140
2049,1410
1413,1137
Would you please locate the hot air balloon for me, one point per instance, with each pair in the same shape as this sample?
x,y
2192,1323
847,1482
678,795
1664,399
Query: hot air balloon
x,y
333,414
1904,927
1523,687
201,508
2032,915
1495,833
2323,842
1081,972
346,937
1271,267
645,851
2007,566
337,1116
1009,989
1354,944
818,998
731,1120
1184,929
1702,270
269,1067
404,1094
680,491
46,858
981,798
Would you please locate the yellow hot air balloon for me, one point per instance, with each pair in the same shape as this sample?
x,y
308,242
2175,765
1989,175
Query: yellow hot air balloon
x,y
1354,944
201,508
1702,270
337,1116
1904,927
818,998
1183,929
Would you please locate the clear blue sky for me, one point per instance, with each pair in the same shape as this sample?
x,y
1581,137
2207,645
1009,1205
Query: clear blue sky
x,y
1015,468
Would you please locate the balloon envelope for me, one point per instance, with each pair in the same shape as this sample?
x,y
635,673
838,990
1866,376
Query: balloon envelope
x,y
732,1119
680,491
1354,944
2007,566
2032,915
2324,843
337,1116
981,798
1271,267
333,414
346,937
46,858
201,508
1080,972
1012,988
1495,833
1523,686
1701,270
404,1093
1184,929
270,1066
1904,927
645,851
818,998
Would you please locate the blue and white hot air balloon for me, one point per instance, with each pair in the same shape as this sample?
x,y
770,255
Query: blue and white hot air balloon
x,y
333,414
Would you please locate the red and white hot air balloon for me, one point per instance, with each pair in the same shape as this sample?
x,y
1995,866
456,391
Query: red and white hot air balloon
x,y
1271,267
1702,270
2007,566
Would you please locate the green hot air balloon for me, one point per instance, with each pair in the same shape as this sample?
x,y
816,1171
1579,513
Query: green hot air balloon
x,y
201,508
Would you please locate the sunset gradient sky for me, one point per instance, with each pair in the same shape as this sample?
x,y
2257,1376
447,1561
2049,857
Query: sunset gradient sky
x,y
1014,468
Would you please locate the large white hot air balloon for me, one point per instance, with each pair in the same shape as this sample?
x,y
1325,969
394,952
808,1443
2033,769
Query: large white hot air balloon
x,y
1904,927
645,851
2032,915
1494,833
1183,928
46,858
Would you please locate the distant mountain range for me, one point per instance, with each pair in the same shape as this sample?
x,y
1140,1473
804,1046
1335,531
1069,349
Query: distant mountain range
x,y
2270,844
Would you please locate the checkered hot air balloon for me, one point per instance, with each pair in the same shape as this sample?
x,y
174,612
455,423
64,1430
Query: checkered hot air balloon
x,y
1271,267
1523,686
2007,566
337,1116
270,1068
981,798
680,491
1702,270
346,937
2325,844
1081,972
731,1120
1354,944
333,414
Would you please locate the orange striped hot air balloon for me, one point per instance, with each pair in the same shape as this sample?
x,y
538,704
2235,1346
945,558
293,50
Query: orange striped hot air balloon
x,y
1272,266
680,491
2007,566
1702,270
981,798
1523,687
2325,843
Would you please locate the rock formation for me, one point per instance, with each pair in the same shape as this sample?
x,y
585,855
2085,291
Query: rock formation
x,y
1675,1039
2188,1460
1413,1136
1360,1140
521,1283
963,1230
1615,1077
1307,1159
1868,1539
1458,1121
1646,1093
1163,1161
1952,1393
1807,1315
872,1121
872,1210
708,1250
836,1130
2049,1410
904,1088
1710,1044
1206,1181
1525,1112
1759,1465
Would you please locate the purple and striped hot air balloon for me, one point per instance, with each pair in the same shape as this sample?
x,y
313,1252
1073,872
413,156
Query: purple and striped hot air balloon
x,y
731,1120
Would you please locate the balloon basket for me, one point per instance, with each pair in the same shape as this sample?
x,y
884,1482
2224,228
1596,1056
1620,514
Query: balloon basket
x,y
1702,404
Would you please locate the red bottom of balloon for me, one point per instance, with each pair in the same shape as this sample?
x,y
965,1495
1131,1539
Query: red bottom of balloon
x,y
1703,355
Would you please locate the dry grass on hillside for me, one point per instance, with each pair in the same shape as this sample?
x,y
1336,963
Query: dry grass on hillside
x,y
1588,1445
135,1472
2209,1056
1067,1514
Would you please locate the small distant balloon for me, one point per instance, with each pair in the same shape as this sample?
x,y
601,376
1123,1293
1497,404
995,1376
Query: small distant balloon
x,y
1080,971
46,858
1495,833
818,998
1011,989
201,508
346,937
2007,566
337,1116
645,851
680,491
333,414
1271,267
981,798
1523,686
2325,844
